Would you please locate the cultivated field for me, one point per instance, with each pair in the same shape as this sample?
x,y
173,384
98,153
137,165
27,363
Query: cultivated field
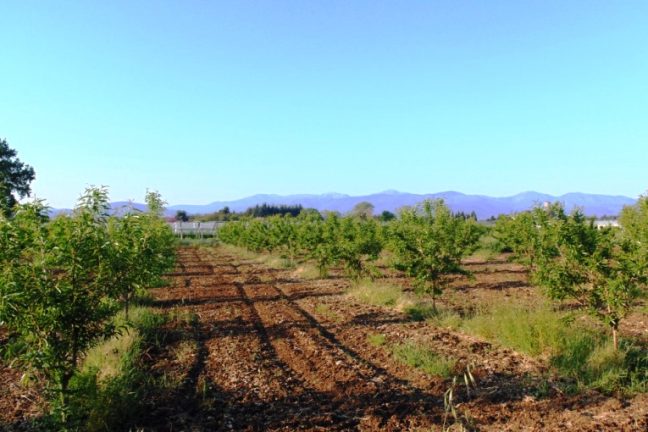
x,y
250,347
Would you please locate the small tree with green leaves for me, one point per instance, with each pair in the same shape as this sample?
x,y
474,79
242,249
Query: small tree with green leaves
x,y
15,178
181,216
142,250
521,234
53,290
428,243
359,245
588,265
634,230
155,203
325,247
282,232
362,210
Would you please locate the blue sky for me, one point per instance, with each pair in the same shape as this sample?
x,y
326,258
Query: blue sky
x,y
210,100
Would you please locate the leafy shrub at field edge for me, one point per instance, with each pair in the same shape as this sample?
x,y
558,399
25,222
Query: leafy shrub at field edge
x,y
61,279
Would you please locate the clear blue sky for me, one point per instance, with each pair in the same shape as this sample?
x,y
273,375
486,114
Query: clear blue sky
x,y
210,100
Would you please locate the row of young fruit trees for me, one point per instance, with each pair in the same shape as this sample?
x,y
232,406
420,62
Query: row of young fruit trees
x,y
62,280
603,270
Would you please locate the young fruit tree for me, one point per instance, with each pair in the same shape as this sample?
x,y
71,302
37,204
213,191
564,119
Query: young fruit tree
x,y
634,230
519,233
428,243
53,287
282,233
318,240
358,245
142,249
588,265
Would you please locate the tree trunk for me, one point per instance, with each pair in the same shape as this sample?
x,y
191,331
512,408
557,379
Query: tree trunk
x,y
64,397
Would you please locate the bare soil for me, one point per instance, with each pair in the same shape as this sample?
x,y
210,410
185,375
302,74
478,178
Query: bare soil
x,y
276,353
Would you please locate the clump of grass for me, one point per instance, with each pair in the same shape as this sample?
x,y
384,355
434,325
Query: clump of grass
x,y
109,390
376,339
183,316
268,259
385,259
326,311
185,350
421,311
307,271
197,241
276,262
489,247
644,308
423,358
380,294
239,252
534,331
106,359
577,352
441,317
594,363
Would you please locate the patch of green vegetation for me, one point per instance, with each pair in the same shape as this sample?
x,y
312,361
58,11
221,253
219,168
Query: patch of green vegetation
x,y
106,359
109,390
577,352
376,339
326,311
182,316
534,331
643,308
185,350
488,248
276,262
307,271
239,252
417,356
421,311
592,362
270,260
197,241
379,294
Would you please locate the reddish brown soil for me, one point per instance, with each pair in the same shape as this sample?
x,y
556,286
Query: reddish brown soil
x,y
257,349
273,352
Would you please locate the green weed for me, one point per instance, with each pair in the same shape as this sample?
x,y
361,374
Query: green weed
x,y
108,391
582,354
326,311
376,339
415,355
379,294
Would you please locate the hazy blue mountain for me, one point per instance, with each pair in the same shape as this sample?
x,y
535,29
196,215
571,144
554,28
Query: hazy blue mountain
x,y
483,206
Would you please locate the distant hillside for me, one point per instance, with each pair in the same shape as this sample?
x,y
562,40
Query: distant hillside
x,y
483,206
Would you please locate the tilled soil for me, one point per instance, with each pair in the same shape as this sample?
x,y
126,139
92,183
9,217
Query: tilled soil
x,y
275,353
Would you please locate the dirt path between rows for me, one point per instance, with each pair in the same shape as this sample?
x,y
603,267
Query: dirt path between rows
x,y
261,353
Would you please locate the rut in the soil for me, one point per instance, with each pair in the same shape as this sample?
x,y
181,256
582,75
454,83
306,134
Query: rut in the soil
x,y
265,363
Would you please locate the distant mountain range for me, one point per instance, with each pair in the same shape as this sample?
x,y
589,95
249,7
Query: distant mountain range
x,y
483,206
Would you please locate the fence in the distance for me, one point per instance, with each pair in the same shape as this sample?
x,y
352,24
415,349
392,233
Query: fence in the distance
x,y
195,229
